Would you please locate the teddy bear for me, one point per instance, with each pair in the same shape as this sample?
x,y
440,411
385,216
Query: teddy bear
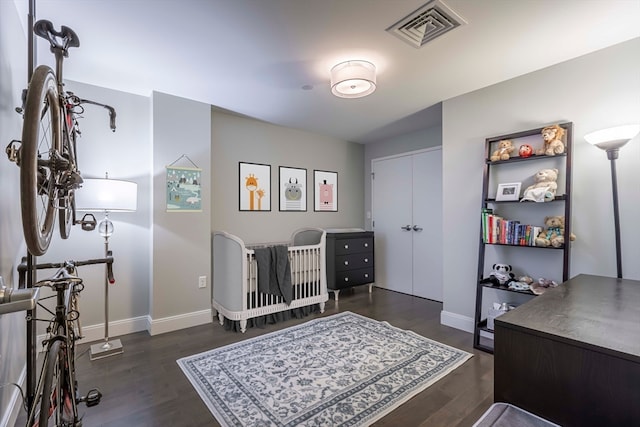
x,y
505,148
552,137
553,233
544,187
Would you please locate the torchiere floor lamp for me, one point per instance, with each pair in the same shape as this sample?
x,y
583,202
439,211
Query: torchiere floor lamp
x,y
611,140
106,195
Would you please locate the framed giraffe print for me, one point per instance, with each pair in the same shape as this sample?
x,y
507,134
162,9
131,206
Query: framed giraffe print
x,y
293,189
254,187
325,191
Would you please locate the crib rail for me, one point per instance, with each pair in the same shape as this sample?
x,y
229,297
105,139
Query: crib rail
x,y
306,276
235,293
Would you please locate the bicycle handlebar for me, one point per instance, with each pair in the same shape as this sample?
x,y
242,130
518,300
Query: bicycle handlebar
x,y
67,266
112,111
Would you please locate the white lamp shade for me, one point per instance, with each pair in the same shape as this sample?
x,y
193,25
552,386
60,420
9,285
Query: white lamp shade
x,y
110,195
614,137
353,79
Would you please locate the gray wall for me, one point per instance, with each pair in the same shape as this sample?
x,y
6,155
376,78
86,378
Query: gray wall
x,y
236,139
426,138
180,240
125,154
13,78
595,91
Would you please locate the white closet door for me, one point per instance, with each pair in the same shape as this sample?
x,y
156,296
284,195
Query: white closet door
x,y
392,206
427,214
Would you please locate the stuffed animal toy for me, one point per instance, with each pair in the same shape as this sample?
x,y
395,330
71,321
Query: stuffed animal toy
x,y
544,187
521,283
553,234
505,148
552,137
502,273
525,150
542,285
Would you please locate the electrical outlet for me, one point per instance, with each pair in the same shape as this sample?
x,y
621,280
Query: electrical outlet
x,y
202,281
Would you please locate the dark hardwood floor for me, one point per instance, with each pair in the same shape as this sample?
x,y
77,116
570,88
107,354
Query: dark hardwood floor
x,y
145,387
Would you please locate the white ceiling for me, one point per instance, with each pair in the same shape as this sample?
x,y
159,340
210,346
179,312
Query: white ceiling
x,y
254,56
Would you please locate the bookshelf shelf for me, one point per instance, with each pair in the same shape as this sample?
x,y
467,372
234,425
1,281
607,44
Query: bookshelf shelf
x,y
520,167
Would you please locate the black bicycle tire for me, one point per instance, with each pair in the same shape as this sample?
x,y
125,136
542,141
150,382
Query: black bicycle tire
x,y
67,208
38,230
66,214
53,359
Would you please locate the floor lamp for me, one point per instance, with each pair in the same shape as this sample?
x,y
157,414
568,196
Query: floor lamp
x,y
106,195
611,140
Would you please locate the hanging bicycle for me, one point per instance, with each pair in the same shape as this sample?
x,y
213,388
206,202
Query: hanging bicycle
x,y
47,157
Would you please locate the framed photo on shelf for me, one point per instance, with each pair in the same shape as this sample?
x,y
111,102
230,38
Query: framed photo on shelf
x,y
254,187
325,191
293,189
508,192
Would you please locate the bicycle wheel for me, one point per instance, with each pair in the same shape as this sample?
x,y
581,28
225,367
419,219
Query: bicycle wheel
x,y
48,393
68,181
66,213
41,145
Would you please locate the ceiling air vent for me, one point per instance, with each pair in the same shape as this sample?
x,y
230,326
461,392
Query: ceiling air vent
x,y
426,23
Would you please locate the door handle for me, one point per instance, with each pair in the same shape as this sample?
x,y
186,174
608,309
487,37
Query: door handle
x,y
406,228
416,228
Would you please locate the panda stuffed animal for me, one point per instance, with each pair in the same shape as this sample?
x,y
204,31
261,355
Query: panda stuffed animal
x,y
502,274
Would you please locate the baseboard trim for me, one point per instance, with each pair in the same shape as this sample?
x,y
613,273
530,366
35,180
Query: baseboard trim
x,y
181,321
457,321
117,328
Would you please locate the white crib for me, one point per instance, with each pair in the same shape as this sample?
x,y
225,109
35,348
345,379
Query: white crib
x,y
235,292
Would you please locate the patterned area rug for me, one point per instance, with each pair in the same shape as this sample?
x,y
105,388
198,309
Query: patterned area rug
x,y
344,369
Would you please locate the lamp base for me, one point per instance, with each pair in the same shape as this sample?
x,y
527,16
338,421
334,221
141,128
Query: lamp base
x,y
106,349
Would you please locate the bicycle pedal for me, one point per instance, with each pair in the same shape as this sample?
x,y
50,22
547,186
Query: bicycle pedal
x,y
92,398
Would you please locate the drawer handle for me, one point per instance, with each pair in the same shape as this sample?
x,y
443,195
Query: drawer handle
x,y
346,263
366,275
346,279
366,245
366,260
346,246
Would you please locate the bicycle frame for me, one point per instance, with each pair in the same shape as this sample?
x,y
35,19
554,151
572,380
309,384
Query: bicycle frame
x,y
61,329
60,344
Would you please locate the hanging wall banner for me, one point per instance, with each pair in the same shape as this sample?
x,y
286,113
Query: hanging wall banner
x,y
184,189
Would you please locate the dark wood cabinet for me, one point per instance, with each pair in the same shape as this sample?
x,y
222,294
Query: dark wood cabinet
x,y
350,260
572,355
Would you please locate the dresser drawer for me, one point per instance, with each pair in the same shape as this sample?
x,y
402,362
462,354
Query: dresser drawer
x,y
345,279
352,246
354,261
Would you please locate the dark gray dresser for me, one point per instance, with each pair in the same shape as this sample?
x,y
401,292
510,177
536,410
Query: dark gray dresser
x,y
350,259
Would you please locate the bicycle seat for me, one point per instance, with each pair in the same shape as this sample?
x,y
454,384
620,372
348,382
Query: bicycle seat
x,y
69,38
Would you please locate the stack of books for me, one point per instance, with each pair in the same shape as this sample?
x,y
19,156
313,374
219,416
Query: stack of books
x,y
497,230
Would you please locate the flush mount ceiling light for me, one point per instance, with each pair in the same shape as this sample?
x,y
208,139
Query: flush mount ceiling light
x,y
353,79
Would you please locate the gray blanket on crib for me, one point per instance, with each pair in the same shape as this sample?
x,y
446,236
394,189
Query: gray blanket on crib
x,y
274,271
